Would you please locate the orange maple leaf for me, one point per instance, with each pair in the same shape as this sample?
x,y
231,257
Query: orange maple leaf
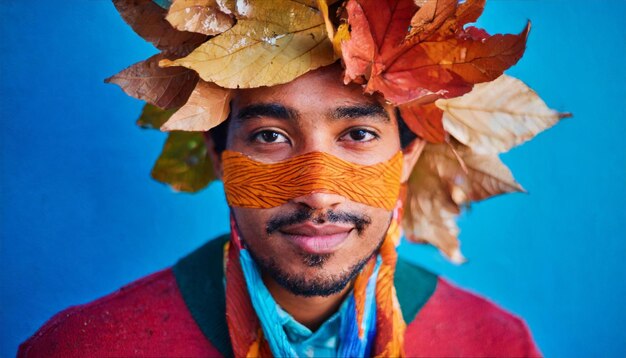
x,y
414,55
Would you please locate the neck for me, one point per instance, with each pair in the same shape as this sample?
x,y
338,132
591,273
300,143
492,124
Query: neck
x,y
309,311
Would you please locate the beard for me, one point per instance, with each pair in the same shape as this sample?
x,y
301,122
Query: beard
x,y
322,283
309,286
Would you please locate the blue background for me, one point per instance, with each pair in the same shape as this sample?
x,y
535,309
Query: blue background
x,y
80,216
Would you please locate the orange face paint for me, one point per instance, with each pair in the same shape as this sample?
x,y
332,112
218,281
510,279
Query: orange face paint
x,y
252,184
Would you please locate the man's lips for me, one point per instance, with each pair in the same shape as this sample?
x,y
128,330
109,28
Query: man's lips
x,y
317,239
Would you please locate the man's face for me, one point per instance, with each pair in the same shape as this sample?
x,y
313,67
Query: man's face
x,y
314,244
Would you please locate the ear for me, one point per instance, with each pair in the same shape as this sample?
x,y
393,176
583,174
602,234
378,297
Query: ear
x,y
216,159
410,155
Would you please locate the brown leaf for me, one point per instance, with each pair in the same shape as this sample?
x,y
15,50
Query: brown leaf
x,y
440,184
153,117
184,163
201,16
429,212
266,47
496,116
148,21
208,106
163,87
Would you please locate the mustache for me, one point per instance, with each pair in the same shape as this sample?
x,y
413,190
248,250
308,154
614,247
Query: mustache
x,y
359,221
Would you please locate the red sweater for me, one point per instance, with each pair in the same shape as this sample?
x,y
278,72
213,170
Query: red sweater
x,y
178,312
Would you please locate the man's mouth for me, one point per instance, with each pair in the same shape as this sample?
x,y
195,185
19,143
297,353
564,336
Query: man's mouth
x,y
317,239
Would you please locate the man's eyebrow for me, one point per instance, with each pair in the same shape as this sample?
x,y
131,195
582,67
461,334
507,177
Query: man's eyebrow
x,y
360,111
273,110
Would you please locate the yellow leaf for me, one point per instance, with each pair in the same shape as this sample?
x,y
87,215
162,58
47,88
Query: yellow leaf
x,y
207,107
496,116
330,28
446,177
342,33
201,16
266,47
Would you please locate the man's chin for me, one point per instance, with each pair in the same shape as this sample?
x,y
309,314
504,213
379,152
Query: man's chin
x,y
315,280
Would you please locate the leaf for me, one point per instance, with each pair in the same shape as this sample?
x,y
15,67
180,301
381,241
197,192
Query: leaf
x,y
208,106
429,212
425,120
153,117
438,19
376,26
184,163
429,18
446,177
201,16
265,48
496,116
163,87
443,63
148,20
336,36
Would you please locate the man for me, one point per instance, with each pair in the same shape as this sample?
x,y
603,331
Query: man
x,y
319,175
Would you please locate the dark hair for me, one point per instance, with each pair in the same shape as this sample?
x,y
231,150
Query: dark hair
x,y
220,133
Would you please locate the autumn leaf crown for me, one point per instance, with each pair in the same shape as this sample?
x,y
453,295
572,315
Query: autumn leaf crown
x,y
445,78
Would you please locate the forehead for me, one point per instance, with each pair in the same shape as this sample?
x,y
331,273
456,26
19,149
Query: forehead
x,y
318,90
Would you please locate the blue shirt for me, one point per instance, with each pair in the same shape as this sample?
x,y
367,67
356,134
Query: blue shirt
x,y
322,343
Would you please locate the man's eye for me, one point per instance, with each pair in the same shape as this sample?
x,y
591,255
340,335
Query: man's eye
x,y
269,137
360,135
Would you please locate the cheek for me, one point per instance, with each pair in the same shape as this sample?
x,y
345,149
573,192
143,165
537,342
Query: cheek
x,y
252,224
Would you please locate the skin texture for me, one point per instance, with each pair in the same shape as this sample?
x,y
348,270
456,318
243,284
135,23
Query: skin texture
x,y
315,112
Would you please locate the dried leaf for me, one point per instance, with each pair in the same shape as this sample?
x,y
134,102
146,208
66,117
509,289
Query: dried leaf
x,y
429,212
429,18
163,87
336,36
184,163
496,116
266,47
342,34
376,26
153,117
446,64
148,21
446,177
207,107
201,16
424,120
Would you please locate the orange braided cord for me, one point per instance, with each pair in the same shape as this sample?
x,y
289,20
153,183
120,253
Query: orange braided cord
x,y
390,325
360,291
240,316
253,184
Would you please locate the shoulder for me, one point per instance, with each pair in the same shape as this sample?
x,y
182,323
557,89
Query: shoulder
x,y
455,322
146,317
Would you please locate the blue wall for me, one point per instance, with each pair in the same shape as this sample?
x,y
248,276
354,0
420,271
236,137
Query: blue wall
x,y
80,216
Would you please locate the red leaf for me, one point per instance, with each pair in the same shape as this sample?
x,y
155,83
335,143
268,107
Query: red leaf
x,y
425,120
163,87
430,17
377,27
148,21
439,57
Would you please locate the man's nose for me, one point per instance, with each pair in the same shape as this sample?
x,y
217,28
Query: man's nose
x,y
319,200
